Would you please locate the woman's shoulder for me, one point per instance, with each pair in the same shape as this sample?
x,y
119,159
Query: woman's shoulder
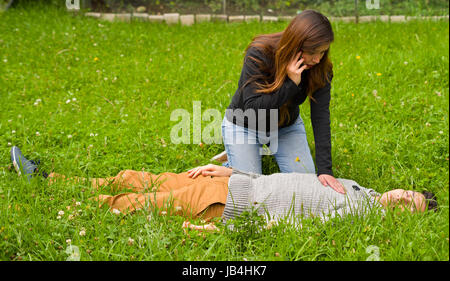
x,y
255,52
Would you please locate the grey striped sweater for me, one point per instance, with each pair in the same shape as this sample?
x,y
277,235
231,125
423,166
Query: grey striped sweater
x,y
291,194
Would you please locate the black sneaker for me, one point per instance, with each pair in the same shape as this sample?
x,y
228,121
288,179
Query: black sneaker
x,y
22,164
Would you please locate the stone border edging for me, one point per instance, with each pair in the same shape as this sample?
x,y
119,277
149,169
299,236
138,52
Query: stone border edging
x,y
190,19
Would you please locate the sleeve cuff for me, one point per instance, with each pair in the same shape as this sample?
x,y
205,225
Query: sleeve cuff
x,y
326,172
291,85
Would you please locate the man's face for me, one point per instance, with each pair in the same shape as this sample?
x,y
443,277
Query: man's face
x,y
312,58
404,199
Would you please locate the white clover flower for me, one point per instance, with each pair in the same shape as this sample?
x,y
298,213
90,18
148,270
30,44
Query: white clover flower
x,y
9,144
71,217
58,217
69,136
77,203
5,60
441,132
163,213
405,63
82,232
178,208
270,224
61,213
68,241
13,131
130,241
74,99
67,101
38,134
116,212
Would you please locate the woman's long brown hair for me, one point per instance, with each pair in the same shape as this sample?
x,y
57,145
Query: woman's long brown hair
x,y
307,31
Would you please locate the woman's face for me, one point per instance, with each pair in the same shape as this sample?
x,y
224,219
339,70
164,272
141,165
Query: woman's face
x,y
314,57
404,199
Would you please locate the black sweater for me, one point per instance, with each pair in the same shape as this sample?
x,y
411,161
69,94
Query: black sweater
x,y
246,98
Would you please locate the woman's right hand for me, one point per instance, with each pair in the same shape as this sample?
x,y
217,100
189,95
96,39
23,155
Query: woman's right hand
x,y
210,170
294,71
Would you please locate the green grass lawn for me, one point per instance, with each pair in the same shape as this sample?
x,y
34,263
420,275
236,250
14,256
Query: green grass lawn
x,y
91,98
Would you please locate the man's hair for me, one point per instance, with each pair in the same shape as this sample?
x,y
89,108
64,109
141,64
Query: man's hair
x,y
431,200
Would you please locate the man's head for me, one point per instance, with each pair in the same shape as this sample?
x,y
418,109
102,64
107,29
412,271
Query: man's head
x,y
409,200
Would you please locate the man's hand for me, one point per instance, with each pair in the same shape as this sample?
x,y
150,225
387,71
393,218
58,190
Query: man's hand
x,y
328,180
210,170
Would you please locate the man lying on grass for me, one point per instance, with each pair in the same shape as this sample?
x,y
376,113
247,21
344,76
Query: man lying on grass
x,y
215,191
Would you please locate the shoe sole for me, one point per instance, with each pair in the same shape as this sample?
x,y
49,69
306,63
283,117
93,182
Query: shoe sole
x,y
221,157
16,166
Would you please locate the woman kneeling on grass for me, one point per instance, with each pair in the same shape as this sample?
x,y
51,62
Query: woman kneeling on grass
x,y
215,191
280,71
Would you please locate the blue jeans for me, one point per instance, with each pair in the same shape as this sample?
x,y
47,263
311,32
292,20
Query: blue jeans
x,y
289,145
